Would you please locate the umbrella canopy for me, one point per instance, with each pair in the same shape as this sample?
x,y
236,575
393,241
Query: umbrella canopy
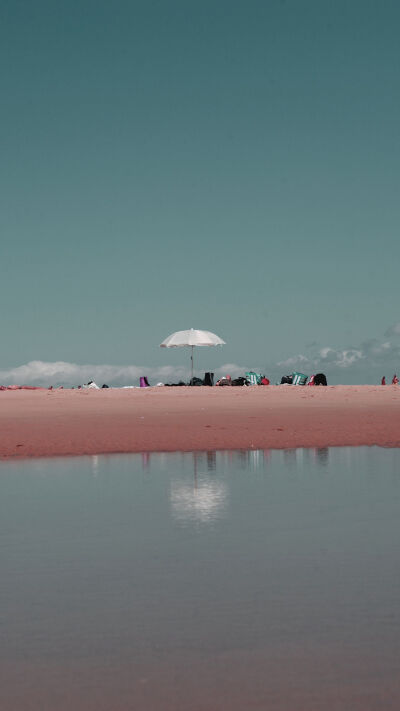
x,y
192,338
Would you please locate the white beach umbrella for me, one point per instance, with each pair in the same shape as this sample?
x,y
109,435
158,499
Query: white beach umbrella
x,y
192,338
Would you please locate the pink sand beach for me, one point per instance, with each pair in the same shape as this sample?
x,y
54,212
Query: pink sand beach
x,y
43,423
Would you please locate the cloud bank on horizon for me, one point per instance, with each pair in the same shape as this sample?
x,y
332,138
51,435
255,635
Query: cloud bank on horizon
x,y
370,354
355,362
42,373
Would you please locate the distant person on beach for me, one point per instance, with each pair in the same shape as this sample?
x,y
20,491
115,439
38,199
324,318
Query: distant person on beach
x,y
395,380
383,381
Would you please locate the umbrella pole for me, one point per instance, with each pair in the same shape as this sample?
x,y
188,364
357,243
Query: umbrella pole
x,y
191,358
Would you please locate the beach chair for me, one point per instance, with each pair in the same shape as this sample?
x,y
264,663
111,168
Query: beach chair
x,y
299,379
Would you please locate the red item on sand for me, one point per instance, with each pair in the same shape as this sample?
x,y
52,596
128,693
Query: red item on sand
x,y
395,380
264,381
311,381
383,381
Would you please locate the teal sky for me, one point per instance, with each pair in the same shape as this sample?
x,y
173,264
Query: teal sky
x,y
230,166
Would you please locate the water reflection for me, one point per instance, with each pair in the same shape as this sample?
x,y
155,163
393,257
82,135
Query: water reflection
x,y
296,458
322,455
146,460
201,499
204,498
211,461
95,464
229,580
247,459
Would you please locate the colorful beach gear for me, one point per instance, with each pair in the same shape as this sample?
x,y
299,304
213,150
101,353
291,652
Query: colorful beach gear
x,y
254,378
299,379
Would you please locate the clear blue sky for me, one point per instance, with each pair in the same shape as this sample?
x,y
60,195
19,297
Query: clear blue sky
x,y
231,166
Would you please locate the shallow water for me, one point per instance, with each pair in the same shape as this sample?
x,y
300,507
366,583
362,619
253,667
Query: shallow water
x,y
239,581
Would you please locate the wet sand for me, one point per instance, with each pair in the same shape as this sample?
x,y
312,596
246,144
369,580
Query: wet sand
x,y
277,679
74,422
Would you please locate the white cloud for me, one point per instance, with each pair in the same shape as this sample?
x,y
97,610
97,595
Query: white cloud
x,y
393,331
325,352
295,361
325,356
233,370
339,358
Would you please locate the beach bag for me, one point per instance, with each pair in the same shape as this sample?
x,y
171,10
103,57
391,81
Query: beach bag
x,y
320,379
299,379
240,381
253,378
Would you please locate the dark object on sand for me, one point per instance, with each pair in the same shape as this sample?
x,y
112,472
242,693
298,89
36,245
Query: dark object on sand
x,y
240,381
104,386
195,381
209,379
286,380
320,379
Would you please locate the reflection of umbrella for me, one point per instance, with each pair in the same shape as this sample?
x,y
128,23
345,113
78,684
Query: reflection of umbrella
x,y
204,501
192,338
